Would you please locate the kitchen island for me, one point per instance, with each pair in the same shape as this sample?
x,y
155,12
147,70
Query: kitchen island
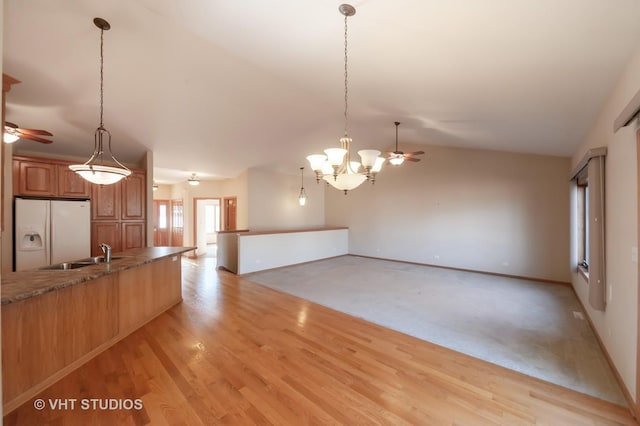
x,y
53,321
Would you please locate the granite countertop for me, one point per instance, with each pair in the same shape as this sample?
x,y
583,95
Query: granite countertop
x,y
22,285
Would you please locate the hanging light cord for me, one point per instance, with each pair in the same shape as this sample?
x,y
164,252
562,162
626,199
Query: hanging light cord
x,y
346,89
101,75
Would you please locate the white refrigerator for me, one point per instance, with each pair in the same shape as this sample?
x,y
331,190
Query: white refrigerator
x,y
47,232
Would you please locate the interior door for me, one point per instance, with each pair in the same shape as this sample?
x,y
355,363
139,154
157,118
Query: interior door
x,y
161,223
230,207
177,223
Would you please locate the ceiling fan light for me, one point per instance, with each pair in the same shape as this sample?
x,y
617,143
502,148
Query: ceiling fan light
x,y
396,159
10,137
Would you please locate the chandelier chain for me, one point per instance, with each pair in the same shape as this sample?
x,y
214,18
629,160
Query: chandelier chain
x,y
101,75
346,88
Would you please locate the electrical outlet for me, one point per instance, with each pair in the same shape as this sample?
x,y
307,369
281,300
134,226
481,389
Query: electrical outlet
x,y
436,256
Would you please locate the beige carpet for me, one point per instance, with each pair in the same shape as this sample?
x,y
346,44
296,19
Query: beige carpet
x,y
531,327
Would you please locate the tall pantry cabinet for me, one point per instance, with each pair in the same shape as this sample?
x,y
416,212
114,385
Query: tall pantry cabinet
x,y
118,214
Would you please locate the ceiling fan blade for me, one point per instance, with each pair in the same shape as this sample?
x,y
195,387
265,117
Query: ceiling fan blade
x,y
411,159
35,138
415,153
34,132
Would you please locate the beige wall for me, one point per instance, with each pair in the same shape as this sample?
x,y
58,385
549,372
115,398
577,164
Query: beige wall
x,y
617,325
273,201
473,209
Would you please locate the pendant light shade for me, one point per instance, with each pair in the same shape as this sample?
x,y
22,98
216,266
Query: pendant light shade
x,y
193,180
102,168
302,198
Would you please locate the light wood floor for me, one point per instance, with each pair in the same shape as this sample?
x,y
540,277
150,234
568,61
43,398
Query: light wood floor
x,y
235,352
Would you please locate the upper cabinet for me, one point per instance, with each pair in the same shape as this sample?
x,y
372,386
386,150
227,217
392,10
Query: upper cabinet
x,y
70,184
34,178
47,178
133,197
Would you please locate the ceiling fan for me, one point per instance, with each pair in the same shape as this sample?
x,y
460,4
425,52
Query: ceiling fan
x,y
12,133
398,157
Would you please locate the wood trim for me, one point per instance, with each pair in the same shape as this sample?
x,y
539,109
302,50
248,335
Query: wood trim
x,y
496,274
636,406
227,202
7,82
291,231
628,113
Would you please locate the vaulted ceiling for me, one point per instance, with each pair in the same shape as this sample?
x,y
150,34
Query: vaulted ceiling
x,y
215,87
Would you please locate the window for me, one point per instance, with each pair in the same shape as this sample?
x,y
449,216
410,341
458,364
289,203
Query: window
x,y
583,222
162,216
590,224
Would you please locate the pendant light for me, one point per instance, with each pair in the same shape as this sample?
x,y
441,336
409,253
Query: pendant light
x,y
302,198
335,166
193,180
96,170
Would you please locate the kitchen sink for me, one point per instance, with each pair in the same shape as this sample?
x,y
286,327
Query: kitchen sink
x,y
80,263
100,259
66,265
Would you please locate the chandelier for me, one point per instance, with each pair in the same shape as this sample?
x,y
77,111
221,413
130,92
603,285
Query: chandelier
x,y
335,166
95,170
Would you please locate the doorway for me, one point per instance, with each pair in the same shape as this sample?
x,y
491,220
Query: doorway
x,y
207,223
168,223
161,223
230,207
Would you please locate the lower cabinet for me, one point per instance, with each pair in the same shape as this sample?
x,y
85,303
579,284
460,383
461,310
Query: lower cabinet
x,y
119,235
46,337
105,232
133,235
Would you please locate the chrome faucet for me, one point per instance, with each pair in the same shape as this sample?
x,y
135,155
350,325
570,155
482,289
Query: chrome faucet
x,y
106,249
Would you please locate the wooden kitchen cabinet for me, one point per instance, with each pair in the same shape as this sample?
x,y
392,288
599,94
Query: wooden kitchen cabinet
x,y
34,178
105,232
133,197
71,184
42,177
118,214
133,235
105,202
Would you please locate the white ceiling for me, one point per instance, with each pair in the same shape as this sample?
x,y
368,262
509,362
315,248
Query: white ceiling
x,y
215,87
